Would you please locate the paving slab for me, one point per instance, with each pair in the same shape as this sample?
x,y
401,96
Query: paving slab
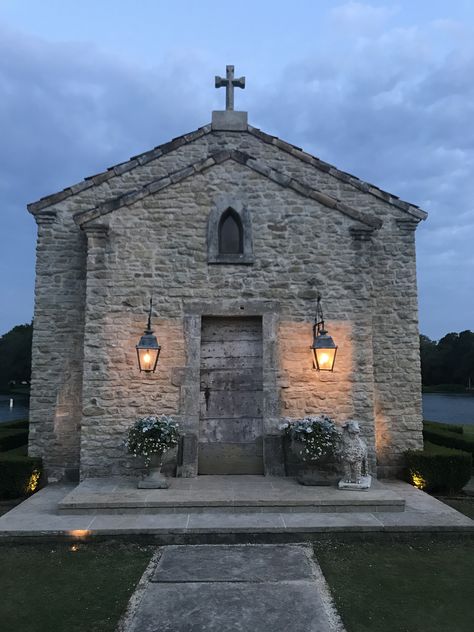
x,y
240,588
239,563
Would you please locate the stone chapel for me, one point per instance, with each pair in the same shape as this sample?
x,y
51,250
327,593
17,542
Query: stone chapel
x,y
233,233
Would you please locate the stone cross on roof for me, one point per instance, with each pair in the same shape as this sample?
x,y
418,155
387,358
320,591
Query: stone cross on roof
x,y
229,83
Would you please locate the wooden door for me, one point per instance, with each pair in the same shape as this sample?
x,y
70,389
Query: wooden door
x,y
231,405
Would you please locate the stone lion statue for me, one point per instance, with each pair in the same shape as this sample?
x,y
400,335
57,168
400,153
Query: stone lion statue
x,y
353,453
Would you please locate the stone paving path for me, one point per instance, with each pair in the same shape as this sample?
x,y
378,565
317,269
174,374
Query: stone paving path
x,y
233,588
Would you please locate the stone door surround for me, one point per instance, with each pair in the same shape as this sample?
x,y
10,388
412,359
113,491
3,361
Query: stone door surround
x,y
273,463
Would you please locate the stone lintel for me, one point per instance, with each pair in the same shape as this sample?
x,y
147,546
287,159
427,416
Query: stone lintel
x,y
232,308
229,121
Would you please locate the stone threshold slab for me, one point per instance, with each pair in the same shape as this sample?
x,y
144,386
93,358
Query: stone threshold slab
x,y
225,494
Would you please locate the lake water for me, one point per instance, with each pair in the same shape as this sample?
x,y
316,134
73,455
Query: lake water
x,y
448,408
455,408
19,410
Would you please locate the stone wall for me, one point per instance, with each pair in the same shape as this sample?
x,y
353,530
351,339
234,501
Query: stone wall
x,y
158,246
56,387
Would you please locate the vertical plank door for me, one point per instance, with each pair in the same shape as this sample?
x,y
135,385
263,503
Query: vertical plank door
x,y
230,440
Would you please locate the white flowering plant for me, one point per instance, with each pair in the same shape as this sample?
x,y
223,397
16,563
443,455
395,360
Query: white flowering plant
x,y
151,435
317,434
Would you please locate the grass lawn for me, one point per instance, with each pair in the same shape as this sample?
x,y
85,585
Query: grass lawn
x,y
399,587
468,431
463,505
52,588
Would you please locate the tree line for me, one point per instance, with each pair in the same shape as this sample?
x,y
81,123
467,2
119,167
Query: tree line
x,y
15,356
450,361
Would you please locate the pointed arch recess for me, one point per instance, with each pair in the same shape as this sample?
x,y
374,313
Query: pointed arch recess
x,y
229,233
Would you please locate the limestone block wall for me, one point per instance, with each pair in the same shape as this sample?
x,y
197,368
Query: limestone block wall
x,y
55,404
397,374
157,246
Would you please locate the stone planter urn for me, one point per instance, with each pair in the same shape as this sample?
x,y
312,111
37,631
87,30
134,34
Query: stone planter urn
x,y
154,479
323,472
318,473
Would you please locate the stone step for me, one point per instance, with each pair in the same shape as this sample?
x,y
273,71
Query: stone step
x,y
225,494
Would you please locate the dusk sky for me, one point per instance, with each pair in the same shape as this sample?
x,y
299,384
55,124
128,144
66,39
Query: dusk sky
x,y
383,90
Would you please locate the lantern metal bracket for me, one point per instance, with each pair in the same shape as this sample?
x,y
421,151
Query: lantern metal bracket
x,y
148,327
318,327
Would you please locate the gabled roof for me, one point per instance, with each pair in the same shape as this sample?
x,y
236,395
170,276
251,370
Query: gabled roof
x,y
185,139
217,158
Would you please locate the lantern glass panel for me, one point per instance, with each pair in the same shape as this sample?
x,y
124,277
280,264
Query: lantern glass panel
x,y
325,358
148,358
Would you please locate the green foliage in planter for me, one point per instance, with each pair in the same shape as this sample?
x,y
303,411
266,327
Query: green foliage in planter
x,y
448,439
12,438
151,435
437,468
436,425
317,435
19,475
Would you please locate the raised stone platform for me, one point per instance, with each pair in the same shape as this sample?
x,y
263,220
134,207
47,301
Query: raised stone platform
x,y
227,494
38,517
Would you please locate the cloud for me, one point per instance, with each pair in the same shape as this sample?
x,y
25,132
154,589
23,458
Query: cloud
x,y
360,18
70,107
67,111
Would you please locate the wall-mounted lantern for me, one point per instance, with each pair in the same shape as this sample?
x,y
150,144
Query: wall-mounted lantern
x,y
323,346
148,349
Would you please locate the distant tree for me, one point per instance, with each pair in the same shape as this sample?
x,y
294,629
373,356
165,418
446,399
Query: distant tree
x,y
430,367
15,355
449,361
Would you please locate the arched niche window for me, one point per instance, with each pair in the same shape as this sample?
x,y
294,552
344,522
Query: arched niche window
x,y
231,238
229,233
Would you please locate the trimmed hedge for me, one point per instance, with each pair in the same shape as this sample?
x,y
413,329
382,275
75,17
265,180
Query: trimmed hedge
x,y
436,425
11,438
438,469
19,475
448,439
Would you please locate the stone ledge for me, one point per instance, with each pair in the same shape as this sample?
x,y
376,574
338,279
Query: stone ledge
x,y
225,494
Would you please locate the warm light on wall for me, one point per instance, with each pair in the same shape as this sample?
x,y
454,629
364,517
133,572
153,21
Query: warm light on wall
x,y
148,349
323,346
